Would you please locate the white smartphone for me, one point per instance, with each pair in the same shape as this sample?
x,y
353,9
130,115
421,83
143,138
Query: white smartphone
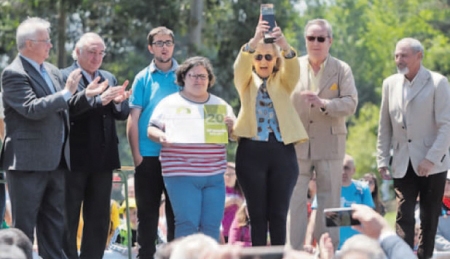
x,y
338,217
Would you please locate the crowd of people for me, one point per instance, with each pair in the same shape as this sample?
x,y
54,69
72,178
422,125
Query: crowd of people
x,y
60,148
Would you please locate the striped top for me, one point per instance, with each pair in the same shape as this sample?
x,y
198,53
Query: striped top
x,y
189,159
193,159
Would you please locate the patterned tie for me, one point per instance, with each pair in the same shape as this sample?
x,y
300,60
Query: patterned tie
x,y
47,79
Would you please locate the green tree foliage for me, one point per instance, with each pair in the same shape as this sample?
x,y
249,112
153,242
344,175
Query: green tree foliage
x,y
362,138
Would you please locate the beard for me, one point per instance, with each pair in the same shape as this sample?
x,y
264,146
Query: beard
x,y
403,71
162,60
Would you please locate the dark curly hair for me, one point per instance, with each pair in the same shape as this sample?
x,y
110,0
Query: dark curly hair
x,y
193,62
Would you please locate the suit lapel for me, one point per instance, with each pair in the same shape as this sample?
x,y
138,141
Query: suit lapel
x,y
35,76
419,83
329,71
397,96
304,74
54,77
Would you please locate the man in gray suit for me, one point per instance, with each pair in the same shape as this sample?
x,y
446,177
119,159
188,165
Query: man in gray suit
x,y
35,153
324,96
415,124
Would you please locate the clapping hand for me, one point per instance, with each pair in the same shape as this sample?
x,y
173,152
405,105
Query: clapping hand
x,y
72,80
116,94
124,94
94,88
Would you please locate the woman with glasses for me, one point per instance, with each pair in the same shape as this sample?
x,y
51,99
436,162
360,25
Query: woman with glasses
x,y
193,171
267,128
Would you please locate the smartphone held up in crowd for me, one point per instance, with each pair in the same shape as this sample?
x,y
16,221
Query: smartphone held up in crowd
x,y
268,14
338,217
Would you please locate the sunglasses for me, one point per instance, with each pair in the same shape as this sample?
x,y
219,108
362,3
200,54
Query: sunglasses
x,y
260,57
313,38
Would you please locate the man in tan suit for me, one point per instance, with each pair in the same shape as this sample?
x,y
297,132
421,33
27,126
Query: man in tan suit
x,y
415,123
324,96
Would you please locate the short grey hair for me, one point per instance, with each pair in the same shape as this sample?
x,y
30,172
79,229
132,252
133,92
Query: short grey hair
x,y
320,22
83,41
414,44
28,29
363,245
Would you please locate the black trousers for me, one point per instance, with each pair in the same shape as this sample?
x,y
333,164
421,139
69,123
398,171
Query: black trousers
x,y
267,172
430,191
92,192
148,187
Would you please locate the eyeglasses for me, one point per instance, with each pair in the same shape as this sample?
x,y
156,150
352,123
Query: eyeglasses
x,y
260,57
161,43
44,41
313,38
202,77
93,53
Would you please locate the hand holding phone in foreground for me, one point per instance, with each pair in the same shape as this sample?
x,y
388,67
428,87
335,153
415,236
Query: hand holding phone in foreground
x,y
338,217
372,223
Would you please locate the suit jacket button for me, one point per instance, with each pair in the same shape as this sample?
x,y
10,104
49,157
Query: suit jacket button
x,y
409,140
310,121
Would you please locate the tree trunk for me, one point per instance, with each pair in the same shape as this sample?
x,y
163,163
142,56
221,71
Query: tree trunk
x,y
62,34
195,26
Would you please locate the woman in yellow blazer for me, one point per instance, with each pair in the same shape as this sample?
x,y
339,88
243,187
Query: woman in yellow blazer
x,y
267,129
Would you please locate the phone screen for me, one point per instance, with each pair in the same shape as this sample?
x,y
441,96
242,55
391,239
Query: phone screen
x,y
268,14
337,217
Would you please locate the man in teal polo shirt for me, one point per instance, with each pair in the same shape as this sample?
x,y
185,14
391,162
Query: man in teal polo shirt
x,y
152,84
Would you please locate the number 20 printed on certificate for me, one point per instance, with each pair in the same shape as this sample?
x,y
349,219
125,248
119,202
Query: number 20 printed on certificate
x,y
196,124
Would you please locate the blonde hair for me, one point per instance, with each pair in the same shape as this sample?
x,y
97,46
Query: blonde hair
x,y
242,216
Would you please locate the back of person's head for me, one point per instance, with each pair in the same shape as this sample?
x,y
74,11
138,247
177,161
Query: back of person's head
x,y
14,236
193,247
361,247
11,252
164,251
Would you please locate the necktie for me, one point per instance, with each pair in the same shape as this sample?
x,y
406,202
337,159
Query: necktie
x,y
52,90
47,79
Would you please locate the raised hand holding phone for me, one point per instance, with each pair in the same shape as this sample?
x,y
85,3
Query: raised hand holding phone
x,y
268,15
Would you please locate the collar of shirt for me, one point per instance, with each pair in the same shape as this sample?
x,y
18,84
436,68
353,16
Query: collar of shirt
x,y
33,63
324,63
87,75
154,68
314,79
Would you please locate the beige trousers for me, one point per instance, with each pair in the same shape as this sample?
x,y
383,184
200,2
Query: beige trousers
x,y
329,184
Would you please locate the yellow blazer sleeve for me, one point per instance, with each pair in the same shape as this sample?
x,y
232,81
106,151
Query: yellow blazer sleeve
x,y
243,70
290,72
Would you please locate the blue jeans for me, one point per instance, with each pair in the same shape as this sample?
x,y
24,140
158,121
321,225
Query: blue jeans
x,y
198,203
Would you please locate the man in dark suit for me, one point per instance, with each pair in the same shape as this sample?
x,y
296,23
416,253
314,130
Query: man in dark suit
x,y
35,153
94,151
